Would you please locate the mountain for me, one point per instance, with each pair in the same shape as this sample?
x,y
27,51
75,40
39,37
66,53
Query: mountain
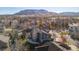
x,y
31,11
35,12
42,12
70,13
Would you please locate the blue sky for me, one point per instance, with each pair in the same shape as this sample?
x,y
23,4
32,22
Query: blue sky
x,y
12,10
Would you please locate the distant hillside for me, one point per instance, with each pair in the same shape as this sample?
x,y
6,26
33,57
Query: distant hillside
x,y
30,11
45,12
35,12
70,13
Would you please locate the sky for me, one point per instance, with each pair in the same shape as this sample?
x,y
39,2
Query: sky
x,y
12,10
